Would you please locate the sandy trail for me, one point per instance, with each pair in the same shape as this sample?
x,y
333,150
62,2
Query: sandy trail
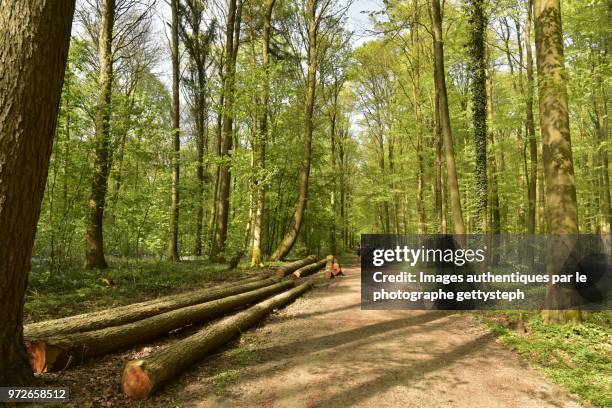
x,y
324,351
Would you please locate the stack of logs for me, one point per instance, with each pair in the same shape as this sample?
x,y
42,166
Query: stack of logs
x,y
56,344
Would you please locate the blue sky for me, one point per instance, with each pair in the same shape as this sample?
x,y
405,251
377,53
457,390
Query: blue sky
x,y
360,22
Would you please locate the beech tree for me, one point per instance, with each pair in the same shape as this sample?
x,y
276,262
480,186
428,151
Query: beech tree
x,y
562,211
441,95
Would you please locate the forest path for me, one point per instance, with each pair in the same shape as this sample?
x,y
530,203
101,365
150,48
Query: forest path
x,y
324,351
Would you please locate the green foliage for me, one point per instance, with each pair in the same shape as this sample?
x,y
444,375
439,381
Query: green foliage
x,y
575,356
76,290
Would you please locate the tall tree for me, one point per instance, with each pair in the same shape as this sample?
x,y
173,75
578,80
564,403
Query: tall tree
x,y
561,206
530,125
197,42
232,42
173,251
94,249
34,39
312,22
440,79
262,133
478,70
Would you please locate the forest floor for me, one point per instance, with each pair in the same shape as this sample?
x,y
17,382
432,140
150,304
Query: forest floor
x,y
324,351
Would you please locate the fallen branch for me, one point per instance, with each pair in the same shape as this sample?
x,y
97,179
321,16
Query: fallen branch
x,y
142,377
137,311
53,353
286,269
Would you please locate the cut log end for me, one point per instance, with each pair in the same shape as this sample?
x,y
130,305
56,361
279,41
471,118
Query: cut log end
x,y
44,357
135,382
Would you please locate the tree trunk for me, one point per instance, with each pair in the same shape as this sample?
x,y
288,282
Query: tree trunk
x,y
94,246
173,251
258,215
440,78
287,268
329,266
439,188
562,213
34,39
309,269
530,125
55,353
478,68
287,243
232,40
133,312
142,377
495,223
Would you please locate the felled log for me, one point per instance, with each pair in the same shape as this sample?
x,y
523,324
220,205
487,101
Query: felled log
x,y
309,269
137,311
287,268
329,264
142,377
55,353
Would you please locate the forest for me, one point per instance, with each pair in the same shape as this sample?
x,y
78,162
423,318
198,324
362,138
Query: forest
x,y
154,146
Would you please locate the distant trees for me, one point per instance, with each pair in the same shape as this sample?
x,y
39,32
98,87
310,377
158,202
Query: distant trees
x,y
34,37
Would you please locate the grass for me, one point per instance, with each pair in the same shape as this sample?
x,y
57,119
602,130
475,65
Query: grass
x,y
224,380
578,357
76,290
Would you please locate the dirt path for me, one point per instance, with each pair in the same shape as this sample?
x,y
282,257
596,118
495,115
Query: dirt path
x,y
323,351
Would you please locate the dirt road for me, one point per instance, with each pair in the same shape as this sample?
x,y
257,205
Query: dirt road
x,y
323,351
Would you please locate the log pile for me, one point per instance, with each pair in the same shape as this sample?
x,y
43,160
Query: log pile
x,y
56,344
286,269
137,311
309,269
142,377
54,353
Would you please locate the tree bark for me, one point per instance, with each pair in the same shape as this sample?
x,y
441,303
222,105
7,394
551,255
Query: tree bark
x,y
478,68
94,246
439,187
309,269
530,125
562,213
440,78
137,311
291,236
143,377
55,353
173,251
34,40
